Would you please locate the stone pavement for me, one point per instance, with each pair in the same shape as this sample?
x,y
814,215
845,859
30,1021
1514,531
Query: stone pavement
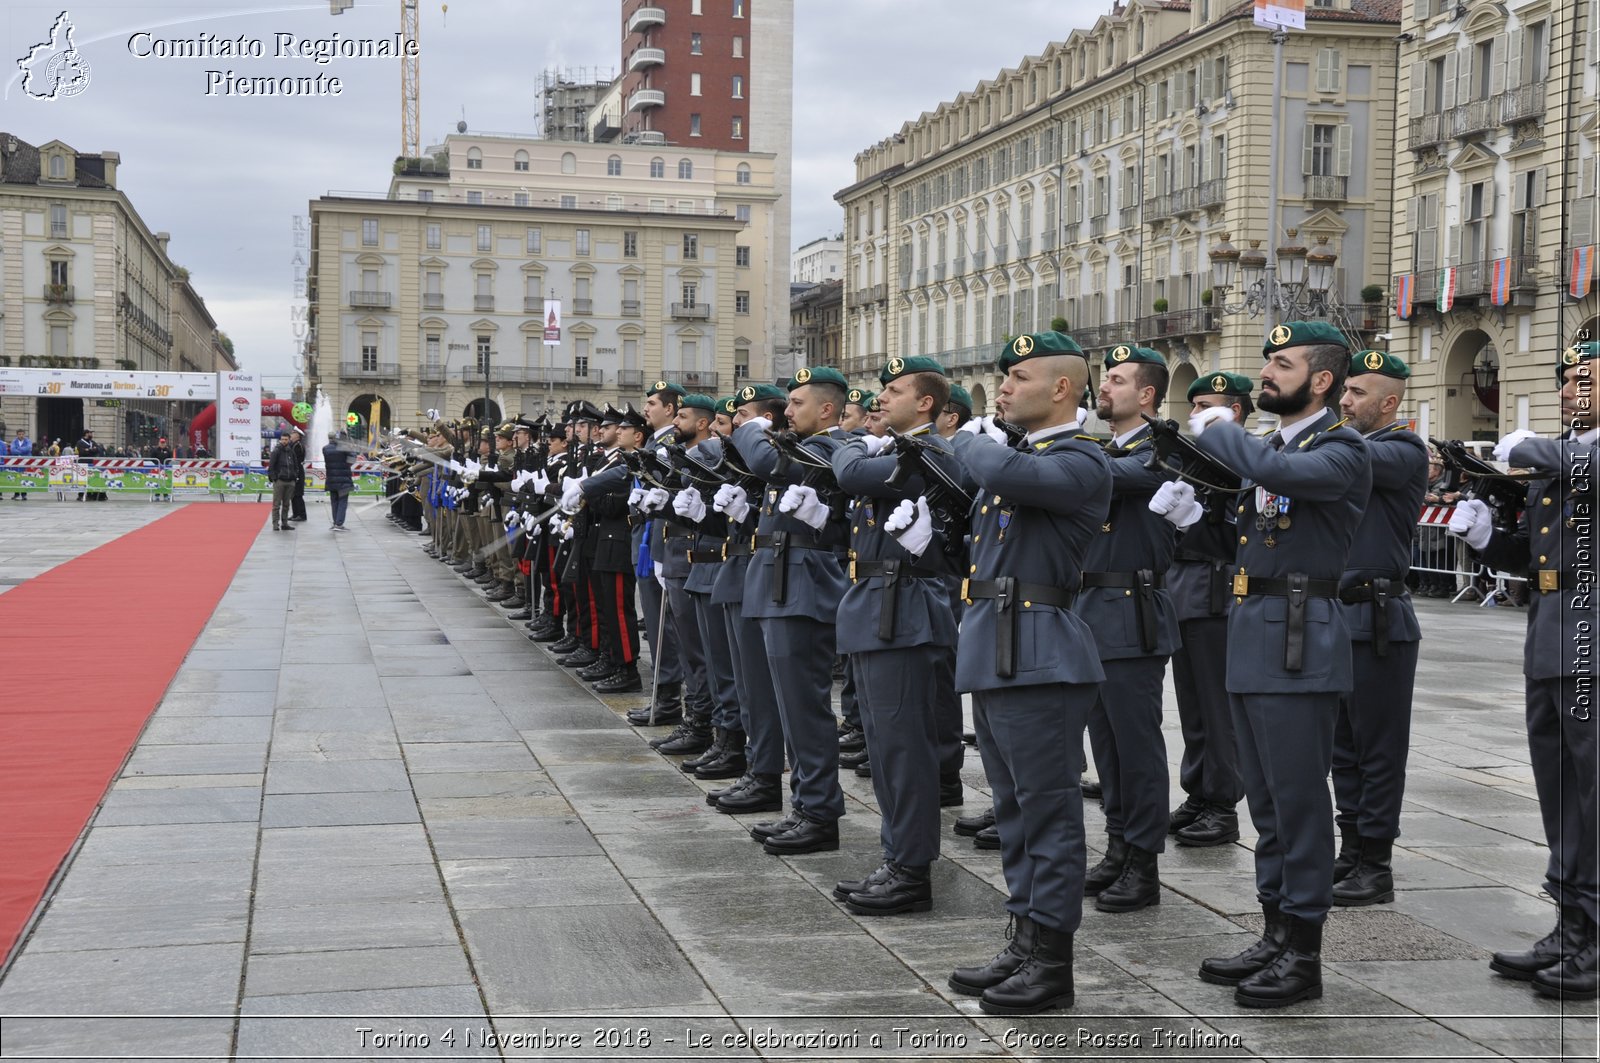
x,y
371,821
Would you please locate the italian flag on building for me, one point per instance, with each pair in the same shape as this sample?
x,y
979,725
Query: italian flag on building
x,y
1447,288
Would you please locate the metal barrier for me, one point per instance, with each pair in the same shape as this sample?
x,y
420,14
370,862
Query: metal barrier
x,y
1446,568
67,477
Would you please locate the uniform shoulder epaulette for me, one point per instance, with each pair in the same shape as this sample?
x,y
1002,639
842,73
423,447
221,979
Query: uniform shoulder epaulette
x,y
1087,438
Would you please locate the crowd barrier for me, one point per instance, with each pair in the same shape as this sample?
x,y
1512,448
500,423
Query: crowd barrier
x,y
1443,564
68,478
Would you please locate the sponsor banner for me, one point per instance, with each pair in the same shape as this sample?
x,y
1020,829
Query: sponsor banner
x,y
552,322
238,417
104,384
24,474
1289,14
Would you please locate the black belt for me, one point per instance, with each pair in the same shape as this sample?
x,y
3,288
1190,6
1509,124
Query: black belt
x,y
1008,592
1297,588
701,557
892,571
671,530
1379,591
1547,580
1216,579
1145,583
739,546
780,543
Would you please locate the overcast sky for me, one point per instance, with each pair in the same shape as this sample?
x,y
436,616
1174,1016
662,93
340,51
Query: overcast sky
x,y
226,175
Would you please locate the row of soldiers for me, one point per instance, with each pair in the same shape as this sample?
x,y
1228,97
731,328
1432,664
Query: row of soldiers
x,y
1051,576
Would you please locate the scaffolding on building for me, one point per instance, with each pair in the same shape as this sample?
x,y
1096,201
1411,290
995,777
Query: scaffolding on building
x,y
566,97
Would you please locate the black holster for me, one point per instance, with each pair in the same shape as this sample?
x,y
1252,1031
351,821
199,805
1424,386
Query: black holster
x,y
1294,639
888,607
1144,607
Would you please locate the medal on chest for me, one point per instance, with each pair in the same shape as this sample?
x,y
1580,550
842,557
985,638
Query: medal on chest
x,y
1272,514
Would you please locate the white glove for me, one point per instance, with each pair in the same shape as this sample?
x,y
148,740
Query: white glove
x,y
803,502
732,501
530,521
1175,501
571,493
989,429
1471,521
455,466
660,578
912,525
566,530
541,483
512,519
654,500
519,479
1502,449
688,503
663,454
433,415
974,426
876,444
1201,420
635,497
764,422
469,472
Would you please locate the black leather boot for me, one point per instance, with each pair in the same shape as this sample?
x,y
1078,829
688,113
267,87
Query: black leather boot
x,y
1091,789
551,634
950,793
1573,978
500,592
764,794
1565,941
967,826
582,657
731,764
524,611
711,752
1295,974
1349,853
624,680
1139,885
565,645
1372,882
843,888
851,739
1216,825
864,769
806,836
907,889
600,669
987,838
1184,814
1106,871
713,796
668,701
972,981
1043,981
693,735
768,827
853,759
1231,970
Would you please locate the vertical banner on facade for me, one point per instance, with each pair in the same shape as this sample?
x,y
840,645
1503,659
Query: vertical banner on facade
x,y
1580,274
1288,14
1405,288
1500,282
552,322
239,417
1447,289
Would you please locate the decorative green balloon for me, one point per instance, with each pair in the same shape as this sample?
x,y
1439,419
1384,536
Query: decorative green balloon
x,y
353,419
301,412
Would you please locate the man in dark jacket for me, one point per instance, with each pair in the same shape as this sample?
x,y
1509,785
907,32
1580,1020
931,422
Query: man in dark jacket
x,y
297,500
336,461
283,469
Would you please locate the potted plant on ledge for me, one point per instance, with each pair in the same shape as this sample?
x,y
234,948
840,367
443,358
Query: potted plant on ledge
x,y
1372,296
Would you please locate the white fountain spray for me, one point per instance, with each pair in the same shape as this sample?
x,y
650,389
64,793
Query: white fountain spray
x,y
320,429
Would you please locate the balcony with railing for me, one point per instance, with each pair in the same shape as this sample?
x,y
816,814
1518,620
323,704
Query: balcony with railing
x,y
1212,193
938,271
646,17
1024,246
498,374
1002,251
1328,188
1475,116
370,300
1427,131
644,57
630,308
922,277
1129,217
1070,232
1197,321
431,374
1159,208
979,259
370,371
433,300
1097,226
59,293
642,99
1522,103
582,307
692,311
967,357
1047,240
630,378
702,380
959,266
483,302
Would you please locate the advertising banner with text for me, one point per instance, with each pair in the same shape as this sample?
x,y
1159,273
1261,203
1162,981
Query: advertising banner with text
x,y
239,417
103,384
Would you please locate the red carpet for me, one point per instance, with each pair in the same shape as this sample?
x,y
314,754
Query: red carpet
x,y
87,651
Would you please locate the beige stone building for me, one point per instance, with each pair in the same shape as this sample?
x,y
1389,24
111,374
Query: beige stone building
x,y
816,324
1092,181
662,258
1494,189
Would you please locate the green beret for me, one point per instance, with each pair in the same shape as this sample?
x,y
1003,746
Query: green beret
x,y
661,386
759,392
899,367
1578,352
859,397
726,405
1301,334
1038,345
700,402
1221,384
1380,362
961,397
820,375
1124,353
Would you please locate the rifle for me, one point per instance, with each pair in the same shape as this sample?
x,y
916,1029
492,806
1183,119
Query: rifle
x,y
1178,455
693,473
817,471
950,503
732,468
1503,492
1015,433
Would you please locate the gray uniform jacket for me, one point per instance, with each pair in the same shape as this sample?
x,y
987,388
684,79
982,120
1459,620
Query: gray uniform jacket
x,y
1556,535
1033,521
1326,477
1382,546
710,532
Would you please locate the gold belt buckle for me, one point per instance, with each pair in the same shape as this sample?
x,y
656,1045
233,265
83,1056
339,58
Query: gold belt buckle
x,y
964,596
724,550
1549,580
852,570
1241,584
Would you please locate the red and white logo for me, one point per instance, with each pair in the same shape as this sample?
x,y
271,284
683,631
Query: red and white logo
x,y
241,403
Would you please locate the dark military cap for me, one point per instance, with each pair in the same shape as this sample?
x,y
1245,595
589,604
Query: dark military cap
x,y
1231,384
584,410
661,386
726,405
1038,345
899,367
611,415
523,424
701,402
632,418
1125,352
1302,334
859,397
754,392
1577,353
961,397
820,375
1381,362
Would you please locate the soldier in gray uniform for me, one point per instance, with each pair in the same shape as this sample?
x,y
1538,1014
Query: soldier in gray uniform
x,y
1125,603
1554,545
792,588
957,412
1199,585
1029,661
1288,647
853,751
894,623
1373,732
660,407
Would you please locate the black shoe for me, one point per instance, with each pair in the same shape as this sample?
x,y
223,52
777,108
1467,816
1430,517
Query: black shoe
x,y
1573,979
808,836
477,571
950,793
843,888
852,739
1139,885
288,527
907,889
522,610
602,668
1043,981
1108,869
1183,815
768,828
864,769
582,657
691,736
713,796
625,681
1216,825
764,794
501,592
710,753
1349,852
853,759
969,737
987,838
551,635
1372,882
666,716
731,764
564,646
1091,789
1295,974
1231,970
972,981
967,826
1562,943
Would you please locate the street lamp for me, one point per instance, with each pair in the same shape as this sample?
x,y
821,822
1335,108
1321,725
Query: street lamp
x,y
1295,286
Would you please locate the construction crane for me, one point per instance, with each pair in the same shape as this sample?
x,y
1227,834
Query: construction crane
x,y
410,71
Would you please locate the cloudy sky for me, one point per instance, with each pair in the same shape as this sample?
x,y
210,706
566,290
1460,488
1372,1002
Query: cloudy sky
x,y
227,175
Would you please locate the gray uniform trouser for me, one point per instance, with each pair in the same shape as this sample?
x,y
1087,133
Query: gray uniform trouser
x,y
1030,739
663,644
1371,739
898,697
282,492
719,662
1209,770
691,651
801,651
951,751
1285,747
1129,752
765,745
1562,748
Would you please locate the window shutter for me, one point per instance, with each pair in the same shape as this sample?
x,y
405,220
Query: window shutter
x,y
1536,194
1513,59
1498,61
1452,246
1324,77
1423,10
1447,91
1519,191
1307,151
1419,89
1583,208
1208,79
1463,76
1412,207
1344,149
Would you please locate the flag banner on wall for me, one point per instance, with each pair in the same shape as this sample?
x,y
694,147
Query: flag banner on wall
x,y
1447,288
1405,294
1290,14
1581,272
1500,282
